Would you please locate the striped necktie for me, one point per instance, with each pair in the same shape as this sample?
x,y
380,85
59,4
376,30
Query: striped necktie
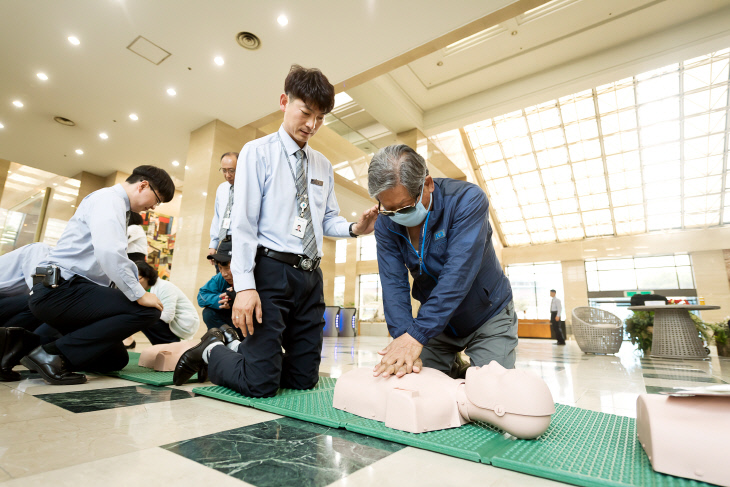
x,y
308,242
223,231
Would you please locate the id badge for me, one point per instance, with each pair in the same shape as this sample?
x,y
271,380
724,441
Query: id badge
x,y
226,223
298,228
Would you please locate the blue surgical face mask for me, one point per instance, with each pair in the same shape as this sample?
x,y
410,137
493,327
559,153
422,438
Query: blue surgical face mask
x,y
416,217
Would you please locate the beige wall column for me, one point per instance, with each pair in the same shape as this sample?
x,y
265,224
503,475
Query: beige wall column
x,y
351,273
4,168
574,287
115,178
190,268
711,281
89,184
328,269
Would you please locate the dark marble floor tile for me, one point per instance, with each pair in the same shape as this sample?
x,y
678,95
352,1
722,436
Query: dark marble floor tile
x,y
658,389
674,369
285,452
685,378
116,397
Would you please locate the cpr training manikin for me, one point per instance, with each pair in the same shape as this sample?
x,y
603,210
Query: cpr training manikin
x,y
515,401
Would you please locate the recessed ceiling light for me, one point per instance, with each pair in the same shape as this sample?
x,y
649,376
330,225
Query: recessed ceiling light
x,y
55,184
186,167
74,40
79,151
18,103
42,76
171,91
219,61
103,136
282,20
73,206
133,116
175,163
205,194
354,214
2,126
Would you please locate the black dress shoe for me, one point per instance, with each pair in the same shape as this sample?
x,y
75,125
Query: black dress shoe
x,y
192,360
52,368
230,334
15,343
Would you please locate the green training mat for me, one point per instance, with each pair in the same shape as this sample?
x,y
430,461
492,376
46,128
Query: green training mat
x,y
135,373
580,447
587,448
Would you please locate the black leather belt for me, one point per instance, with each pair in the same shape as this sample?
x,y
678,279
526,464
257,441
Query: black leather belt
x,y
227,238
295,260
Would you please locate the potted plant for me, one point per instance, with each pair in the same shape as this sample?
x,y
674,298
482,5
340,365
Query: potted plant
x,y
721,333
640,328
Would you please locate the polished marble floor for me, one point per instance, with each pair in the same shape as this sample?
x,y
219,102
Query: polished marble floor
x,y
113,432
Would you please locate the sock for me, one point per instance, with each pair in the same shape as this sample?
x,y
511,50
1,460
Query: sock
x,y
51,348
206,352
233,346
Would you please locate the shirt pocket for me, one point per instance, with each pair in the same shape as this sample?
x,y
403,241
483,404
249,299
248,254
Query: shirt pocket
x,y
318,194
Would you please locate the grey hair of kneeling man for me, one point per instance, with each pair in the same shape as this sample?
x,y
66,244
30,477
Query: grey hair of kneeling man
x,y
394,165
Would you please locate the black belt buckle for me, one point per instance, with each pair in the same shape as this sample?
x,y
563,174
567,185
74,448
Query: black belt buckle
x,y
307,264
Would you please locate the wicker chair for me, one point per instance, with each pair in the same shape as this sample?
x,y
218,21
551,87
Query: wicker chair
x,y
596,330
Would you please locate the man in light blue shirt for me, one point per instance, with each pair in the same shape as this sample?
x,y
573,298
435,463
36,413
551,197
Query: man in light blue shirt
x,y
16,281
77,299
286,205
220,227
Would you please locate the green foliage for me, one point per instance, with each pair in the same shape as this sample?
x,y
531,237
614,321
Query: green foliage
x,y
721,332
640,328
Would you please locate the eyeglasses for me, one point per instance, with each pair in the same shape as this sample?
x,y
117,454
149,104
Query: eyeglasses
x,y
159,201
227,171
400,211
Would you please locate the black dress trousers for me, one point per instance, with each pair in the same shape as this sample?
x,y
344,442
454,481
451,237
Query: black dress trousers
x,y
556,328
93,320
292,302
14,311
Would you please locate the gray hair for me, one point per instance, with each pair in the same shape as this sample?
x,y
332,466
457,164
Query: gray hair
x,y
394,165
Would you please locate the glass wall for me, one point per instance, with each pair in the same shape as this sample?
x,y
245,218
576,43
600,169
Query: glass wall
x,y
640,273
339,290
531,285
22,204
341,251
367,248
370,297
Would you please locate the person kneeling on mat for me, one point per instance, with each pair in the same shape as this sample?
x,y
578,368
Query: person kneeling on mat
x,y
74,294
217,295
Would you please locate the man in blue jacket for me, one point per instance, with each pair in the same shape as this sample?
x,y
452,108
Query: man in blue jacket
x,y
217,295
439,231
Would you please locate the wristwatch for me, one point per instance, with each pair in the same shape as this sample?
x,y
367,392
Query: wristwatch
x,y
352,234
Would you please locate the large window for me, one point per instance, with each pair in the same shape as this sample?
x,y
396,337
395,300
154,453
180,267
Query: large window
x,y
368,247
531,285
339,291
640,273
341,251
371,297
643,153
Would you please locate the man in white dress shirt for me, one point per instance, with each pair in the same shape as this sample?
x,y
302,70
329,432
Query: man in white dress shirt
x,y
220,227
287,204
179,319
555,308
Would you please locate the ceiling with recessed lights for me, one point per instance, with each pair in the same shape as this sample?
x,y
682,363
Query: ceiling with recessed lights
x,y
517,75
148,102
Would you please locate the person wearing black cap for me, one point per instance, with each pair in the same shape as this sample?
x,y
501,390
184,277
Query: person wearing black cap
x,y
217,295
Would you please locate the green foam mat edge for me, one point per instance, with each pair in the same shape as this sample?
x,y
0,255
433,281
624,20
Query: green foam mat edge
x,y
135,373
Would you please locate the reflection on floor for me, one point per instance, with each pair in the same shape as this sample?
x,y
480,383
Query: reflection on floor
x,y
114,432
